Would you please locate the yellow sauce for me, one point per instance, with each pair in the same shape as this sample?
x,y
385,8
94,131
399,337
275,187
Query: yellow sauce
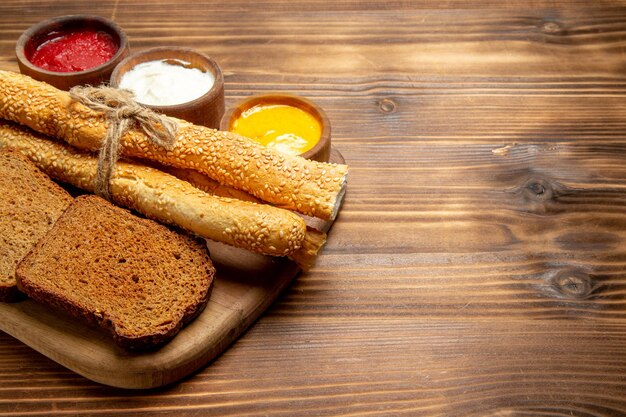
x,y
286,128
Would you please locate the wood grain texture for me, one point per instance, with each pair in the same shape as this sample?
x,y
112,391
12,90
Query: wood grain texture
x,y
478,266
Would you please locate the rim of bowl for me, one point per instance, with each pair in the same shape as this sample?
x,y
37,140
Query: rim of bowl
x,y
69,21
288,99
162,53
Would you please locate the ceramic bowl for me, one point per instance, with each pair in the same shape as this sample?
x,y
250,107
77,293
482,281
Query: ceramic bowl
x,y
206,110
319,152
44,31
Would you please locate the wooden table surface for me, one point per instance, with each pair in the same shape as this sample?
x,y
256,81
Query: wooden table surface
x,y
478,267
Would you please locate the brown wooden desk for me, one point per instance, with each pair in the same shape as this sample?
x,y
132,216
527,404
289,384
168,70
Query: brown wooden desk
x,y
478,267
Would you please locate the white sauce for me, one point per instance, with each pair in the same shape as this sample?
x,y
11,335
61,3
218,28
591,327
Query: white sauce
x,y
159,83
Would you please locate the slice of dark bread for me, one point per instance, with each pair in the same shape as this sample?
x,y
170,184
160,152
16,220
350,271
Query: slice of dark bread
x,y
30,203
134,277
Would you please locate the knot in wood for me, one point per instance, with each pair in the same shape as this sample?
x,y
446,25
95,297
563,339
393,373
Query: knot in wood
x,y
387,106
539,189
572,284
552,28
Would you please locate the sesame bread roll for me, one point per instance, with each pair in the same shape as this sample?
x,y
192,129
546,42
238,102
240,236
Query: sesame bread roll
x,y
291,182
208,185
256,227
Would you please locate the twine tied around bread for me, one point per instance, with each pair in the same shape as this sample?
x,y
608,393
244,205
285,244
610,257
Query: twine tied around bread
x,y
122,112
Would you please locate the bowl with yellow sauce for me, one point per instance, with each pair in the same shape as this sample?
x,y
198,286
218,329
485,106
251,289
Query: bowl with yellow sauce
x,y
291,124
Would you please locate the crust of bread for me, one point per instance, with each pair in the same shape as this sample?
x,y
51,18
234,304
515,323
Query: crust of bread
x,y
308,187
30,204
115,254
259,228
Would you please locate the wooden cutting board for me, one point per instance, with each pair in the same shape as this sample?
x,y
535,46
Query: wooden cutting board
x,y
245,286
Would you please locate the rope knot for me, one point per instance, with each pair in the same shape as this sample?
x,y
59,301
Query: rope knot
x,y
122,113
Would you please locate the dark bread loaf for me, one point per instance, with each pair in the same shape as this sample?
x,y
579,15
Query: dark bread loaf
x,y
30,203
134,277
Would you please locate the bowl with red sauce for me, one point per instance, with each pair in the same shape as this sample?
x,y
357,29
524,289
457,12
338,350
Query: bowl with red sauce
x,y
72,50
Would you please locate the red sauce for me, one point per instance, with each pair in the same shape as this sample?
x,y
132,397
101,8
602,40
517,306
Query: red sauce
x,y
75,51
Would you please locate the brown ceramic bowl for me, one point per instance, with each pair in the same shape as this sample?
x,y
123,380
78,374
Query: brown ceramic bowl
x,y
319,152
49,29
206,110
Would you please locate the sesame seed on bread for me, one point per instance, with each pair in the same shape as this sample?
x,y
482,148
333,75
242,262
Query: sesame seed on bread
x,y
309,187
136,278
31,202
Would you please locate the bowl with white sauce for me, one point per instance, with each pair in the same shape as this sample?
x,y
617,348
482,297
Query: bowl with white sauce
x,y
178,82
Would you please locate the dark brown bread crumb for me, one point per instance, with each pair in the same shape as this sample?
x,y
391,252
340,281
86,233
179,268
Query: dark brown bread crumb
x,y
30,203
134,277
